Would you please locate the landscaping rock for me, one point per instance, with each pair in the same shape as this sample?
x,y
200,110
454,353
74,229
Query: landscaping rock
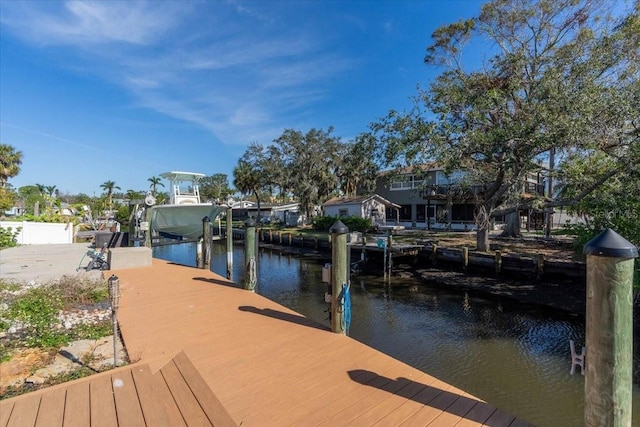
x,y
14,372
94,354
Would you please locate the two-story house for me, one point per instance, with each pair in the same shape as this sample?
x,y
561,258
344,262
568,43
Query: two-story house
x,y
431,199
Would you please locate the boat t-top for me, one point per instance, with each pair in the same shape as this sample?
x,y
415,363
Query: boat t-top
x,y
185,187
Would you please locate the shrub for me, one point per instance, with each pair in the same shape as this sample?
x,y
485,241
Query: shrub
x,y
628,229
38,309
353,223
76,292
8,237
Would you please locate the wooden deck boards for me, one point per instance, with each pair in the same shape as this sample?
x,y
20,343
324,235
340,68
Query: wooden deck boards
x,y
129,396
212,354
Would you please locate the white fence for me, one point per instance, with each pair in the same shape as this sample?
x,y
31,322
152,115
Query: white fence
x,y
36,233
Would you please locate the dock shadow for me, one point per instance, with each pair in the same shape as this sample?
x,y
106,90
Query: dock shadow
x,y
218,282
433,397
280,315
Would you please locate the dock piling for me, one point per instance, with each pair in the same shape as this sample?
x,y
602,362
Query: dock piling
x,y
609,326
339,273
199,261
229,243
250,276
207,241
114,297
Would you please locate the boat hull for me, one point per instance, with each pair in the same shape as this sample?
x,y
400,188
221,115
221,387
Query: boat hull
x,y
182,221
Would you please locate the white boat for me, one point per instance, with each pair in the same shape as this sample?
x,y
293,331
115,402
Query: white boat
x,y
182,217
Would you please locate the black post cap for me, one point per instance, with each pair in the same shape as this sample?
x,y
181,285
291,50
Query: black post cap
x,y
206,219
250,222
610,244
338,228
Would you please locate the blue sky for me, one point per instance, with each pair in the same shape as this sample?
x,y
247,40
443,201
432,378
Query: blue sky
x,y
124,90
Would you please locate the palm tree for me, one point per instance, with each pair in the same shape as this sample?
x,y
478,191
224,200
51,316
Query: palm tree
x,y
109,186
155,181
51,189
247,180
10,161
41,189
134,195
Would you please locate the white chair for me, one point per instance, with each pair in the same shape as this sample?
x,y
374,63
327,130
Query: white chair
x,y
576,359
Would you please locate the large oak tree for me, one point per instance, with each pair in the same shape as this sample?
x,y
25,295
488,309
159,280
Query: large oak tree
x,y
560,76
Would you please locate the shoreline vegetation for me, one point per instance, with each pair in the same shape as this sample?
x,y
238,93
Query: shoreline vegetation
x,y
53,331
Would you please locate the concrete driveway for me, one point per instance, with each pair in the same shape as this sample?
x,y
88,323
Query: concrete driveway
x,y
44,262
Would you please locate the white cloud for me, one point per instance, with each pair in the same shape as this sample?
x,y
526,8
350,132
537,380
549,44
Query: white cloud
x,y
229,69
79,23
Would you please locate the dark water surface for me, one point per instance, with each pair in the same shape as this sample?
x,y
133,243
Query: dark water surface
x,y
512,355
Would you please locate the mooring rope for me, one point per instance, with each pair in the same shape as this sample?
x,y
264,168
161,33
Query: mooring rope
x,y
345,301
252,273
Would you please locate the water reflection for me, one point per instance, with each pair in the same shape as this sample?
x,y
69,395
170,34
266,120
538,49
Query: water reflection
x,y
512,355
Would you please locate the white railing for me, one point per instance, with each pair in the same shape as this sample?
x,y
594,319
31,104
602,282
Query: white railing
x,y
36,233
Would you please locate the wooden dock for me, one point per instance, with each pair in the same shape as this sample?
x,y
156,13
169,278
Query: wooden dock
x,y
264,364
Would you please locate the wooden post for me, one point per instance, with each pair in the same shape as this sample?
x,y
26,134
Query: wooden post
x,y
199,262
229,243
290,238
363,255
250,270
339,273
301,241
465,258
540,266
207,241
609,326
315,243
498,262
434,255
114,296
132,224
147,232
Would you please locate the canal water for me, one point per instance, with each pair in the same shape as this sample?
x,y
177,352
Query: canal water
x,y
512,355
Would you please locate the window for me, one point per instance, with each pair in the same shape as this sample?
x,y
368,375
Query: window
x,y
452,178
420,213
390,213
462,212
405,213
406,182
343,212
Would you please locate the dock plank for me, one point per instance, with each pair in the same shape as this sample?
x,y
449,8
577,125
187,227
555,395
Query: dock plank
x,y
51,411
457,411
410,407
24,412
187,403
375,413
102,402
499,418
424,416
5,412
156,402
77,409
128,410
215,412
477,416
